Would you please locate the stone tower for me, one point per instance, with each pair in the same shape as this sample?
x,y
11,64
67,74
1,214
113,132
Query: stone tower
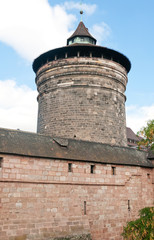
x,y
81,91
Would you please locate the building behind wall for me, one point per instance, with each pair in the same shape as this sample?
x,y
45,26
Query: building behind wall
x,y
75,178
132,138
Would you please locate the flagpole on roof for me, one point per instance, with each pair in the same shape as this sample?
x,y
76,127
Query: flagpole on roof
x,y
81,11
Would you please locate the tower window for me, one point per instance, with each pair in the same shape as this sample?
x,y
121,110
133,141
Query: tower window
x,y
69,167
148,175
92,168
113,170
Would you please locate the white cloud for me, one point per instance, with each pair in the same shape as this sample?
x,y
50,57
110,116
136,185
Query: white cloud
x,y
32,27
89,9
137,117
18,109
101,32
18,106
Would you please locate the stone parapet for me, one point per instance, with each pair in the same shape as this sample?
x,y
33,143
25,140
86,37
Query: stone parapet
x,y
47,199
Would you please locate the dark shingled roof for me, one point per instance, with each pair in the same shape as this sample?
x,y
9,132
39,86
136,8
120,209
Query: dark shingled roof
x,y
72,50
81,31
131,134
37,145
151,155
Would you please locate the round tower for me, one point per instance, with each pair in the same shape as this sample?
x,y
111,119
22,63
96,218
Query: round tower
x,y
81,91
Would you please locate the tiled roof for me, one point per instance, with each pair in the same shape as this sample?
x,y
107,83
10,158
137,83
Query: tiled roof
x,y
37,145
81,31
151,154
131,135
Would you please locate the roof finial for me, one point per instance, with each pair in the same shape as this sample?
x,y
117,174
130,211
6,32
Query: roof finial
x,y
81,11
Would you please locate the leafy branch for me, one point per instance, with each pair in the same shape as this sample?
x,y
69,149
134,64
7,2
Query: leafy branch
x,y
142,228
147,134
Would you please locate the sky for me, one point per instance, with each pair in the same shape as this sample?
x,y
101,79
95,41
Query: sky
x,y
29,28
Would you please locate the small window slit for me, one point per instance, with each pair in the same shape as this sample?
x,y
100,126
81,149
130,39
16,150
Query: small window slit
x,y
69,167
92,168
113,170
128,205
85,208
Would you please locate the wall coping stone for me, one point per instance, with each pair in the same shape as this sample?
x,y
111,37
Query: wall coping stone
x,y
16,142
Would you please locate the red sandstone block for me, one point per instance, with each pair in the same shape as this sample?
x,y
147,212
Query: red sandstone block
x,y
6,170
12,175
50,178
5,175
2,234
11,165
5,190
18,176
7,166
5,200
15,170
14,160
56,178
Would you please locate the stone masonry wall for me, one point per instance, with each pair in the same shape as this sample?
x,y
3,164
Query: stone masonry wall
x,y
44,199
83,98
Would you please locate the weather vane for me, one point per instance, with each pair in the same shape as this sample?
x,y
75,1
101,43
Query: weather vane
x,y
81,11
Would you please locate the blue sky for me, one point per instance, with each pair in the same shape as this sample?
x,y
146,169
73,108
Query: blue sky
x,y
31,27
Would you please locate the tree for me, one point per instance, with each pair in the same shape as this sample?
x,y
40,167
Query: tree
x,y
147,134
142,228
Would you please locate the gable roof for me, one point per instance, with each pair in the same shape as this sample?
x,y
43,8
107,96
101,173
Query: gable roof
x,y
37,145
132,135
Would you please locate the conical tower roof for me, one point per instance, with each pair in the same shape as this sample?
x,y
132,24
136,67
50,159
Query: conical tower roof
x,y
81,35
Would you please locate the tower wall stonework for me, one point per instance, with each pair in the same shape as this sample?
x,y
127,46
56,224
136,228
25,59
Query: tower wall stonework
x,y
83,98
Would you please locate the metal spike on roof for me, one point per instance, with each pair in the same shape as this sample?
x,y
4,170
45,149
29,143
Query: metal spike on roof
x,y
81,11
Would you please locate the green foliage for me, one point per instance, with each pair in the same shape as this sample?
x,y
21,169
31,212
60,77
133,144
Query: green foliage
x,y
147,133
142,228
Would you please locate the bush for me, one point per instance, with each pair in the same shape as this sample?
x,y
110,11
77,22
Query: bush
x,y
142,228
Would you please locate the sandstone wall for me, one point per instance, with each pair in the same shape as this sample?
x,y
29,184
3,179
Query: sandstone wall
x,y
44,199
83,98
